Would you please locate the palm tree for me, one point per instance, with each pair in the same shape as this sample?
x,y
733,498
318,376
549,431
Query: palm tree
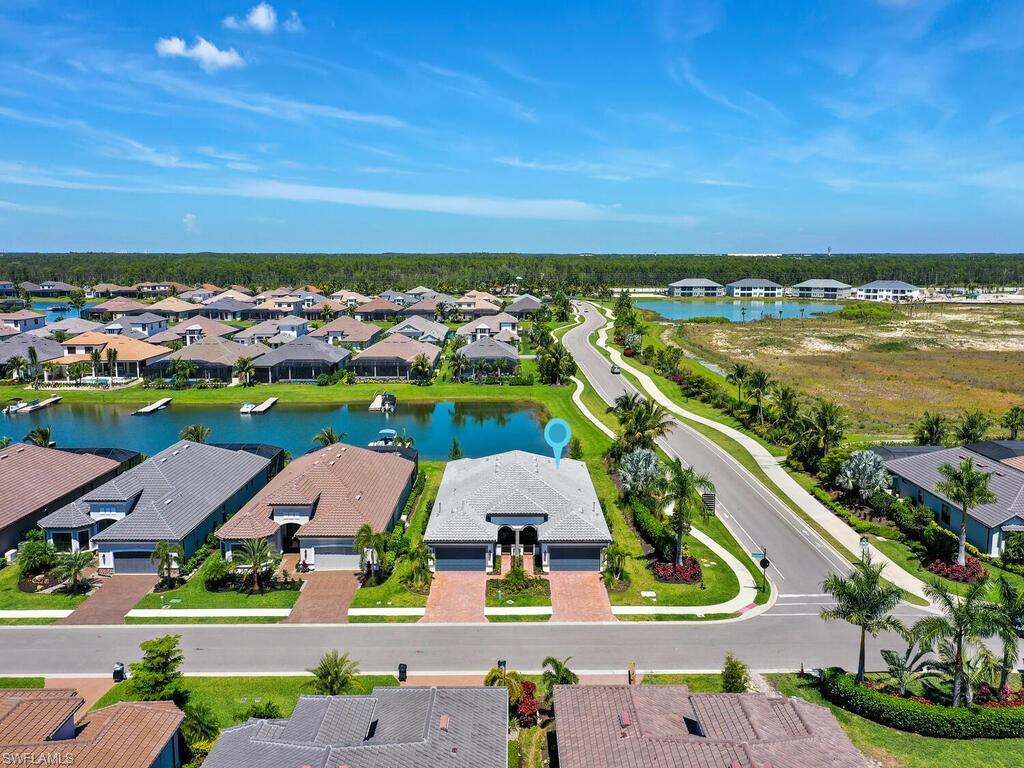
x,y
824,427
200,723
972,427
71,565
967,620
335,674
370,544
112,362
77,300
195,433
758,385
328,436
254,557
738,374
245,369
788,401
460,364
5,441
647,422
418,559
16,366
1013,420
864,600
78,371
615,560
420,368
41,436
33,365
96,360
557,672
183,370
931,429
968,488
908,667
685,486
1011,611
506,678
167,554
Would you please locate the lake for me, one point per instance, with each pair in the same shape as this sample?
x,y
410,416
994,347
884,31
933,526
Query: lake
x,y
481,428
733,310
51,316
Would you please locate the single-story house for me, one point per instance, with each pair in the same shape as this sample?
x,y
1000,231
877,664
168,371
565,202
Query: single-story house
x,y
887,290
422,329
50,288
392,357
520,503
179,495
474,306
916,476
233,293
18,346
489,325
103,290
349,298
398,297
668,726
323,309
192,330
134,358
420,290
485,295
301,359
391,728
39,728
36,481
160,288
348,332
819,288
70,326
377,309
140,326
214,357
318,503
119,306
524,306
23,320
8,288
175,308
274,332
226,309
695,287
429,308
198,295
754,288
487,354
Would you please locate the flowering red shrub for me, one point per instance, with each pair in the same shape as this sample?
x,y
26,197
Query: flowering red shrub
x,y
986,697
687,573
529,689
968,573
528,706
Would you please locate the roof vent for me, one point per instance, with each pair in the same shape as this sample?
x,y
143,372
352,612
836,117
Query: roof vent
x,y
445,722
163,459
624,719
20,449
168,501
175,453
359,496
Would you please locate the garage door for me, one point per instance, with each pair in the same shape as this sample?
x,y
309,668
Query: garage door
x,y
337,558
460,558
133,562
574,558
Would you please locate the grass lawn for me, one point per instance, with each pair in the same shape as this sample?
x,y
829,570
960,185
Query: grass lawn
x,y
383,619
193,594
512,619
12,598
231,696
528,750
25,622
170,618
21,682
537,593
676,617
697,683
896,749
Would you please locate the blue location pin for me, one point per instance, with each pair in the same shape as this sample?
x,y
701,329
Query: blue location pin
x,y
557,433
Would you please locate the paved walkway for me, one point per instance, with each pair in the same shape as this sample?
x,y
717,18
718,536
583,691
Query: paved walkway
x,y
325,598
91,689
114,597
457,597
578,597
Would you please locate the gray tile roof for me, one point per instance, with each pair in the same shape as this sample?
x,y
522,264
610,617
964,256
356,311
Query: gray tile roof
x,y
1000,450
695,282
1006,483
174,491
72,326
216,350
303,349
391,728
17,346
228,304
516,483
422,325
821,283
525,303
492,322
889,285
754,282
489,348
270,327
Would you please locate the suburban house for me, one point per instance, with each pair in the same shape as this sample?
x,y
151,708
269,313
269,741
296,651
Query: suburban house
x,y
226,309
668,726
398,297
754,288
119,306
916,476
888,290
274,332
818,288
273,293
302,359
428,308
275,308
348,332
192,330
476,306
39,728
323,309
235,294
420,291
488,355
175,309
197,295
7,288
23,320
377,309
392,357
214,357
18,346
164,288
319,501
422,329
349,298
137,326
70,326
490,325
517,503
50,288
179,495
134,358
35,481
390,728
103,290
524,306
1009,452
695,288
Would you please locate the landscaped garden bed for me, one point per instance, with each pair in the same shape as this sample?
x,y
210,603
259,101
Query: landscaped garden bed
x,y
517,590
195,593
689,572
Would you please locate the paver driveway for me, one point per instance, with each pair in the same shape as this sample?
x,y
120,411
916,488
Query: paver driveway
x,y
115,596
325,598
578,597
457,597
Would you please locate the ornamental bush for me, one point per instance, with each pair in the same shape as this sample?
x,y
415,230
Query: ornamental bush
x,y
653,530
966,574
917,717
687,573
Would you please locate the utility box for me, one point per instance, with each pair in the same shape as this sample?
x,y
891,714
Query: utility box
x,y
118,672
403,673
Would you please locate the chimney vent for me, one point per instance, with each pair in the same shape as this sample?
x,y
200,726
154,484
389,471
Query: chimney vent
x,y
624,719
445,722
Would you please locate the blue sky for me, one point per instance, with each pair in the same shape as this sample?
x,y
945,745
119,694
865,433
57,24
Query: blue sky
x,y
879,125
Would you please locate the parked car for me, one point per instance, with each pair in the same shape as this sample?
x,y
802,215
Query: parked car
x,y
616,369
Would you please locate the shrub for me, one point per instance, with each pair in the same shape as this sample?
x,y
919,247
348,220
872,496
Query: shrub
x,y
966,574
36,556
1013,554
941,543
735,675
687,573
516,579
217,574
918,717
323,380
263,710
653,531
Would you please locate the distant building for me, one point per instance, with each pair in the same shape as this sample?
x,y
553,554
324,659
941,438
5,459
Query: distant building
x,y
274,333
303,359
23,320
888,290
213,357
489,325
754,288
348,332
821,289
119,306
392,357
694,288
7,288
422,329
377,309
162,288
175,308
50,288
524,306
140,326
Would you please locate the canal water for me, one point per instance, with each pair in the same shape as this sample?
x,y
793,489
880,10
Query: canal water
x,y
481,428
51,315
734,310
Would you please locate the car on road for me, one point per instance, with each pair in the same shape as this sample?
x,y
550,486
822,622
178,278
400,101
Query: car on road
x,y
616,369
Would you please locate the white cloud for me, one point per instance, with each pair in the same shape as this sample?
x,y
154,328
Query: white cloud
x,y
191,222
293,23
206,54
7,205
261,18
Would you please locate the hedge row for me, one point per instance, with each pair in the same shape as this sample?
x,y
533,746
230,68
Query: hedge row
x,y
924,719
654,532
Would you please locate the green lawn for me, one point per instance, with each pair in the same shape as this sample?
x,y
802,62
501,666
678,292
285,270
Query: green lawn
x,y
697,683
170,618
383,619
193,594
675,617
231,696
513,619
24,622
12,598
896,749
538,593
528,750
21,682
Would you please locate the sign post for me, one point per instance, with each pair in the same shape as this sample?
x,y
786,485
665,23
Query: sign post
x,y
765,563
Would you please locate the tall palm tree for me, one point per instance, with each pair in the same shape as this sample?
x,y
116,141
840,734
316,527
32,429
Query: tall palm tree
x,y
824,427
200,723
16,366
968,488
788,402
96,360
254,557
1011,612
972,427
245,369
41,436
335,674
502,677
328,436
418,558
167,554
684,488
931,429
370,544
615,560
71,565
77,300
460,364
758,386
864,600
112,362
641,422
195,433
1013,420
420,368
33,364
966,621
738,374
557,672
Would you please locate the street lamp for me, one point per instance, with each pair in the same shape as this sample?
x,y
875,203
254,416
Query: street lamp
x,y
865,552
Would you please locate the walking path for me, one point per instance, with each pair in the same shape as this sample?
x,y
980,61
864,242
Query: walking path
x,y
115,596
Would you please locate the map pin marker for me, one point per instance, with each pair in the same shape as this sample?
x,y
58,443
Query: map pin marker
x,y
557,433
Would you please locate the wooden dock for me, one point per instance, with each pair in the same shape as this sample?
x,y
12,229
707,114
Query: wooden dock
x,y
40,405
265,406
163,402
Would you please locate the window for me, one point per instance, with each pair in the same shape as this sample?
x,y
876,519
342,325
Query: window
x,y
62,541
944,514
83,539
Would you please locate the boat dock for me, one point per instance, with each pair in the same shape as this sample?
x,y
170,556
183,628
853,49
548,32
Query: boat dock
x,y
38,406
384,402
265,406
160,404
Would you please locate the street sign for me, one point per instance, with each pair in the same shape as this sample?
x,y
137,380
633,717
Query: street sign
x,y
765,563
757,555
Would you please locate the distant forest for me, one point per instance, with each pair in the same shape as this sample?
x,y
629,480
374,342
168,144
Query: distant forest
x,y
462,271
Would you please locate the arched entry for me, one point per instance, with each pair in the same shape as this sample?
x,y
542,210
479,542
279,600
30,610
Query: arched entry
x,y
288,541
506,539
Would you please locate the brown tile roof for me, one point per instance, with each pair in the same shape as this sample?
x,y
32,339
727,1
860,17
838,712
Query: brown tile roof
x,y
1017,462
128,349
378,305
34,714
21,314
350,328
401,347
173,304
350,486
118,304
668,727
32,477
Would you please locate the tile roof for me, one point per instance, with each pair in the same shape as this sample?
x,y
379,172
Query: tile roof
x,y
303,349
695,282
214,350
491,322
349,328
32,477
378,305
270,327
669,727
174,305
400,347
525,303
17,346
21,314
754,282
489,348
232,295
516,483
69,325
349,486
1000,450
117,304
30,715
128,349
423,325
889,285
345,295
821,283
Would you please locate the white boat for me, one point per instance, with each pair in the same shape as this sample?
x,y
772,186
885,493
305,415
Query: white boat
x,y
15,407
247,407
384,437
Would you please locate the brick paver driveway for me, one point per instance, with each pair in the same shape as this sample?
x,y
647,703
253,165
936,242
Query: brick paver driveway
x,y
579,597
457,597
114,597
325,598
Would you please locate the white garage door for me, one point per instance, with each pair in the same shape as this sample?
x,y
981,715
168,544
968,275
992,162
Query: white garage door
x,y
336,558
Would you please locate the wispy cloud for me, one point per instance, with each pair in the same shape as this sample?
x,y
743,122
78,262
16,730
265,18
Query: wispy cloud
x,y
203,52
7,205
260,18
632,166
684,72
191,223
686,20
293,23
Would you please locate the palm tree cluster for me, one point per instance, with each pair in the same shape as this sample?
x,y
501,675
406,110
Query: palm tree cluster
x,y
554,363
971,426
641,423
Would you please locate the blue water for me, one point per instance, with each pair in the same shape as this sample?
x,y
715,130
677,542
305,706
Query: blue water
x,y
733,310
51,316
482,428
